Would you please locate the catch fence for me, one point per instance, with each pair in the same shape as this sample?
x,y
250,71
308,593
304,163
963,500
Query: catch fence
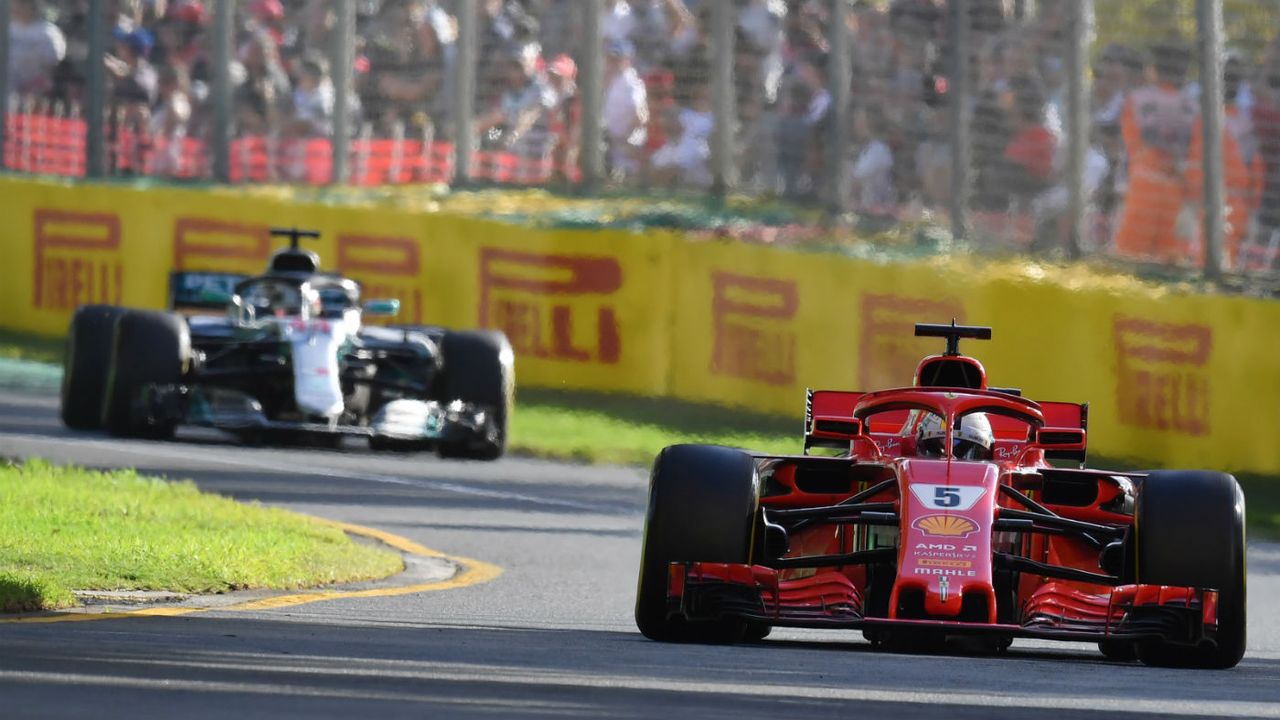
x,y
1146,131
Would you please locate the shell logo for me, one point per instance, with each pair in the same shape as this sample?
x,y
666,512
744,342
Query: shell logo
x,y
946,526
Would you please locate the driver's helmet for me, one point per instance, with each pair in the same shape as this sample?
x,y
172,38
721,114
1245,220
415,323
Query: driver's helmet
x,y
274,298
265,298
971,440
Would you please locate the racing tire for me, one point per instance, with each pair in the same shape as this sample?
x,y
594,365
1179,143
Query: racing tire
x,y
756,631
703,506
1118,650
478,370
1191,533
84,367
148,348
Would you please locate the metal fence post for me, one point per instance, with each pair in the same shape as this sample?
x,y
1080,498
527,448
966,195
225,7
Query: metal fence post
x,y
591,93
96,91
344,50
958,89
839,70
1209,23
1077,121
465,91
723,22
220,139
4,74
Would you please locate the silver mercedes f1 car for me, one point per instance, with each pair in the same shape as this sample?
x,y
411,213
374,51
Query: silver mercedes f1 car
x,y
287,357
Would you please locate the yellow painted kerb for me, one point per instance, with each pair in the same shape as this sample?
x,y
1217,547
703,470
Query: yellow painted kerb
x,y
471,572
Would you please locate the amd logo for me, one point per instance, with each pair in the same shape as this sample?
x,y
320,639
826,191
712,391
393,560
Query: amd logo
x,y
946,546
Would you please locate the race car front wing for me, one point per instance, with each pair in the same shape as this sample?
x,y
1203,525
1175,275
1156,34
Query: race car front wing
x,y
401,420
1056,610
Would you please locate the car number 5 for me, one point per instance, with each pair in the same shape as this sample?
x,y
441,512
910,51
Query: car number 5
x,y
946,497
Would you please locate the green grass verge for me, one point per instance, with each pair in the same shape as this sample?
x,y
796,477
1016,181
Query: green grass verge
x,y
600,427
64,529
22,346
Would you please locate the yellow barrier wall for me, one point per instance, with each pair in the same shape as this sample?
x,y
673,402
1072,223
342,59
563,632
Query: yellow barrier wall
x,y
1177,379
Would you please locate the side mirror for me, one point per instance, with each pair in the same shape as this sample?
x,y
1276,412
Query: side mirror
x,y
832,432
381,308
1062,443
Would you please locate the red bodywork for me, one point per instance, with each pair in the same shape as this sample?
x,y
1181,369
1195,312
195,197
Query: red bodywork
x,y
878,538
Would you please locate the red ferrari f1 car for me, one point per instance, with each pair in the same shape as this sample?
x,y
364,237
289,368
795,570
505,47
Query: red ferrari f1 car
x,y
942,516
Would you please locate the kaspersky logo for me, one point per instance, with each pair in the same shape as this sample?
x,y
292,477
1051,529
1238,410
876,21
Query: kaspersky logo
x,y
952,526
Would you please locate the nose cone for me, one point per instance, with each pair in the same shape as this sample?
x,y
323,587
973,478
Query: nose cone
x,y
944,552
317,387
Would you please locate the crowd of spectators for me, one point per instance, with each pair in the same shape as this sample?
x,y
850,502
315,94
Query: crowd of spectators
x,y
658,117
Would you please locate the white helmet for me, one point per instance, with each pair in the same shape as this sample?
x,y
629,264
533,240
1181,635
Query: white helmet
x,y
971,440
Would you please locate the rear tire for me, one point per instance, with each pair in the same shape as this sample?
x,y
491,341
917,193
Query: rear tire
x,y
1191,533
85,366
478,369
703,506
149,348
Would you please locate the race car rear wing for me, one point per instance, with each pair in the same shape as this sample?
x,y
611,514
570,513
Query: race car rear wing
x,y
829,405
1066,416
201,291
829,423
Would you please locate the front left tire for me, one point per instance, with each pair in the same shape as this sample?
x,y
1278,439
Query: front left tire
x,y
703,506
86,365
149,349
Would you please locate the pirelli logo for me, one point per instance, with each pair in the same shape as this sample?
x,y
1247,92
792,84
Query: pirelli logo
x,y
934,563
753,334
1162,381
553,306
209,244
77,259
889,351
386,267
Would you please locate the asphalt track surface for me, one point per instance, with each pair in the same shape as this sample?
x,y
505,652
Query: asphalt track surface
x,y
552,635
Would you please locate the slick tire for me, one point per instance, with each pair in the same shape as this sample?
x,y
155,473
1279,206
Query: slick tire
x,y
703,506
84,368
479,370
149,349
1118,650
1190,533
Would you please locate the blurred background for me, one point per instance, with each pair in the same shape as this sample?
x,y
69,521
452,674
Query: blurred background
x,y
1079,128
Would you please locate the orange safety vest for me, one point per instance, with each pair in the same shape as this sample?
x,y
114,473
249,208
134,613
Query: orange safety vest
x,y
1243,173
1157,127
